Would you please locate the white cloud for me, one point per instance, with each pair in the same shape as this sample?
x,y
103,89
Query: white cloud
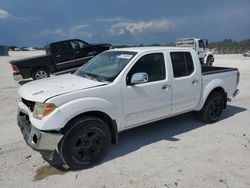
x,y
79,27
109,20
77,31
138,27
57,32
4,14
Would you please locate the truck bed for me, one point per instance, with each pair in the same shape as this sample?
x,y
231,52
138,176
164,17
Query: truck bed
x,y
226,76
205,70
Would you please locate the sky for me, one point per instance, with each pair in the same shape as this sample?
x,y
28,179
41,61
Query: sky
x,y
132,22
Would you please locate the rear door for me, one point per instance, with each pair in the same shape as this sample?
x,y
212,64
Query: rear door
x,y
63,55
147,101
186,82
82,52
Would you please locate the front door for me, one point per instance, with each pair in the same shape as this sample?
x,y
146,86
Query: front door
x,y
63,55
147,101
186,82
83,52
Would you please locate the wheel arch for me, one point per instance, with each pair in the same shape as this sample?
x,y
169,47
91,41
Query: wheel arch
x,y
222,91
208,55
101,115
215,86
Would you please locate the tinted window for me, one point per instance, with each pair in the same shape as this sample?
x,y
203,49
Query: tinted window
x,y
201,44
182,63
60,47
76,44
152,64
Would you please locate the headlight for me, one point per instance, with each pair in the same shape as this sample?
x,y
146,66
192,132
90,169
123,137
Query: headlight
x,y
43,109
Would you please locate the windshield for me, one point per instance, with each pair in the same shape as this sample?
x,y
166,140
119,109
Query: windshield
x,y
105,66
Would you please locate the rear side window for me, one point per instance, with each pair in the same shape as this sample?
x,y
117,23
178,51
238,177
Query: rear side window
x,y
182,63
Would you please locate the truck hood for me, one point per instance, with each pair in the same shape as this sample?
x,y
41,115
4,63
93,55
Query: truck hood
x,y
41,90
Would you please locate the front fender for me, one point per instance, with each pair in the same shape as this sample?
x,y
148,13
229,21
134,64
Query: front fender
x,y
59,118
217,83
79,106
208,54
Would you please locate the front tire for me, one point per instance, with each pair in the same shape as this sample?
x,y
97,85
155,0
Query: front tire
x,y
212,109
86,143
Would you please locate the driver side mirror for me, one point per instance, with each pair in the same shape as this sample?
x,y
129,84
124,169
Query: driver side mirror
x,y
139,78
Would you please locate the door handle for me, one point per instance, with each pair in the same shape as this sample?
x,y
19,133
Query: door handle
x,y
195,82
166,87
58,55
77,52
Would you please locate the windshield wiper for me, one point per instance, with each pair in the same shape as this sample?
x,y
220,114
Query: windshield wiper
x,y
91,76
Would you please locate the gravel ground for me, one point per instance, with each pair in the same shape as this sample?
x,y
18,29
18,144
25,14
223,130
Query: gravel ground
x,y
176,152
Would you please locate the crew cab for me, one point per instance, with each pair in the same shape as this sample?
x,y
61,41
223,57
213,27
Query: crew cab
x,y
80,115
61,56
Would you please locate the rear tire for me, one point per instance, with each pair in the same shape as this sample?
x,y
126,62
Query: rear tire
x,y
86,143
212,109
40,73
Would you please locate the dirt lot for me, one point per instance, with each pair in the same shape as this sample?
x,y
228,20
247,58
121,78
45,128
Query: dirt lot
x,y
177,152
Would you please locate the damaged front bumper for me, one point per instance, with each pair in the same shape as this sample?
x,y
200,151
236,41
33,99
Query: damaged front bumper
x,y
37,139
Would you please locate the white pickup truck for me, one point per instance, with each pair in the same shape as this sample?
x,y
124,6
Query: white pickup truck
x,y
80,115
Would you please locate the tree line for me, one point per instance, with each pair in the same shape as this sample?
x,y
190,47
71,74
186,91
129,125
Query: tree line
x,y
229,46
222,47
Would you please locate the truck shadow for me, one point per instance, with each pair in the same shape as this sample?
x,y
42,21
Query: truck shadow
x,y
133,139
22,82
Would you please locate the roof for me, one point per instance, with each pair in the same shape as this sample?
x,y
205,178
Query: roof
x,y
150,49
66,41
190,39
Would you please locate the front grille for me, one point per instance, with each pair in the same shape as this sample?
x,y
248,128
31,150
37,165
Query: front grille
x,y
29,104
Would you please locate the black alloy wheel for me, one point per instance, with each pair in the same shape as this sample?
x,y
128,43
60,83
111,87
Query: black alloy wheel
x,y
212,108
85,143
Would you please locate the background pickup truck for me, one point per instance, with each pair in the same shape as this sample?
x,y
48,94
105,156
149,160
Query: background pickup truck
x,y
60,56
79,115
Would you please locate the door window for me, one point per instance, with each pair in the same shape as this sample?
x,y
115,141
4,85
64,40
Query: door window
x,y
152,64
61,47
77,44
182,64
201,44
